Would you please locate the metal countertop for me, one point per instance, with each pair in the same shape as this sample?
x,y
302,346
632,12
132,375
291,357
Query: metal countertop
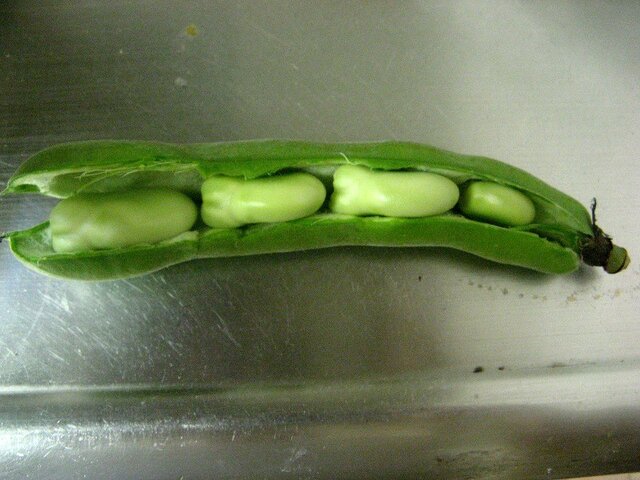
x,y
341,363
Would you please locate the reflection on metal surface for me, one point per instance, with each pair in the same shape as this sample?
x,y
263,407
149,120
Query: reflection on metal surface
x,y
498,425
345,362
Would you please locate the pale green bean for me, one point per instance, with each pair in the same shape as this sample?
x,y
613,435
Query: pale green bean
x,y
495,203
94,221
359,190
230,202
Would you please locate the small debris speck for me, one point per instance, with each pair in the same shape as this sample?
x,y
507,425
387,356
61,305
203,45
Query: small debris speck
x,y
478,370
191,30
180,82
572,297
505,291
419,278
501,368
558,365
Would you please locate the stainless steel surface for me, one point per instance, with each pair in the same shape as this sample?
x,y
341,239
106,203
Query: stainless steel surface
x,y
346,362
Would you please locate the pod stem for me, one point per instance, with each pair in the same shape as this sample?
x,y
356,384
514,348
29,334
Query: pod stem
x,y
599,251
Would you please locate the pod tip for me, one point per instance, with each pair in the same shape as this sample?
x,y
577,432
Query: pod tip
x,y
599,250
618,260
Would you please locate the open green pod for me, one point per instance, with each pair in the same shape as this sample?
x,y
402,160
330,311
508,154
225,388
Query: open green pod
x,y
561,233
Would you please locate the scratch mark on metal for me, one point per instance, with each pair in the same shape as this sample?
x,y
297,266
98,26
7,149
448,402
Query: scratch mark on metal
x,y
268,34
297,454
111,355
172,345
8,352
224,328
134,286
58,357
62,303
36,319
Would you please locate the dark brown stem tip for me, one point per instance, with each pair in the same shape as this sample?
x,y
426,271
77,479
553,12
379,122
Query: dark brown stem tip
x,y
599,250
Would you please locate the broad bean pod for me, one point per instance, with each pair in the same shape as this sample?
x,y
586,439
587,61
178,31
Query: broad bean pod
x,y
561,235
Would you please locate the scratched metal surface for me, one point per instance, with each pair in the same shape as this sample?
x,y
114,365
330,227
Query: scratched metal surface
x,y
344,363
